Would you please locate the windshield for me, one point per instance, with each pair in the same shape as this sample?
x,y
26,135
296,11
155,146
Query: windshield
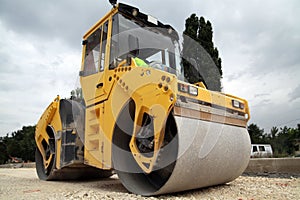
x,y
151,44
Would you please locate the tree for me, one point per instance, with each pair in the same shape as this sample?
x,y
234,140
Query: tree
x,y
201,60
274,131
21,144
284,141
256,134
3,149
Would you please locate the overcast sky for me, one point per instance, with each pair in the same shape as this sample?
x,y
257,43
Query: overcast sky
x,y
258,41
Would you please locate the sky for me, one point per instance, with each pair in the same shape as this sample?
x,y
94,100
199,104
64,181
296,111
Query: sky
x,y
258,41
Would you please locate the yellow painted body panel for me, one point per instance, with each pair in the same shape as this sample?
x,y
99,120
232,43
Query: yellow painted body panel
x,y
50,117
218,99
151,94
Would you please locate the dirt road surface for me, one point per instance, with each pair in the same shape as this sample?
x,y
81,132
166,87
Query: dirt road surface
x,y
23,184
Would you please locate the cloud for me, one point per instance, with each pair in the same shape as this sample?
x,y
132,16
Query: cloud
x,y
295,94
256,37
30,77
261,95
48,20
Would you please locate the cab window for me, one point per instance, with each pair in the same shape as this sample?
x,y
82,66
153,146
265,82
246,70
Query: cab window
x,y
92,53
94,60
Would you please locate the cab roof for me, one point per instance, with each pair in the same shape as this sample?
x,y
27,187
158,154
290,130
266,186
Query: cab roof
x,y
134,14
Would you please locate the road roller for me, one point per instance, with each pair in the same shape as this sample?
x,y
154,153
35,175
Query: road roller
x,y
138,116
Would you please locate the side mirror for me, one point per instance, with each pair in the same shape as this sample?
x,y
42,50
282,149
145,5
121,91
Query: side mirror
x,y
81,73
133,44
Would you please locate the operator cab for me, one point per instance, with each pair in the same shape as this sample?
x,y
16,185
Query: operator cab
x,y
133,34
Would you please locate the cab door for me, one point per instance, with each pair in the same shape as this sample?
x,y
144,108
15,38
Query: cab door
x,y
96,83
95,60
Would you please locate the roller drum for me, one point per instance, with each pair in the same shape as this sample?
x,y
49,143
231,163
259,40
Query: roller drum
x,y
202,154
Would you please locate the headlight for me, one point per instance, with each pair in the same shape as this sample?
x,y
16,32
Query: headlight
x,y
183,88
238,104
193,91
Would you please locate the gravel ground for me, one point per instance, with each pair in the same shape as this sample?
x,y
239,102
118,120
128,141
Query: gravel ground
x,y
23,184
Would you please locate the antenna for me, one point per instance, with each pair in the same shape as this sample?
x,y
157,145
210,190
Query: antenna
x,y
113,2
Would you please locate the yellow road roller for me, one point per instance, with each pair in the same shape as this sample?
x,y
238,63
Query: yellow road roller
x,y
139,118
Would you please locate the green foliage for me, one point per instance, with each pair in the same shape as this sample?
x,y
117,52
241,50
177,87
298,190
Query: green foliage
x,y
20,144
201,60
256,134
3,155
284,141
